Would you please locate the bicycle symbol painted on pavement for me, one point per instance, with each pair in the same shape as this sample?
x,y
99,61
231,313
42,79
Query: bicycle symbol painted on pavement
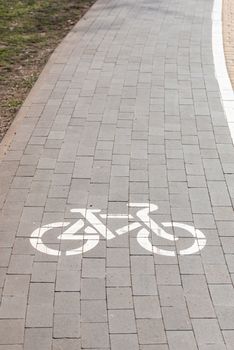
x,y
89,236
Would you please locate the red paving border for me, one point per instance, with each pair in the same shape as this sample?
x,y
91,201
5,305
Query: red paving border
x,y
228,36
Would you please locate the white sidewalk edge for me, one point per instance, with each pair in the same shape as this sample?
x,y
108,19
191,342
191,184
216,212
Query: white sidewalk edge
x,y
225,86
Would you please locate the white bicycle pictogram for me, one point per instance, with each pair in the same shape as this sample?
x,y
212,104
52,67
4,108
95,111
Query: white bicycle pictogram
x,y
90,236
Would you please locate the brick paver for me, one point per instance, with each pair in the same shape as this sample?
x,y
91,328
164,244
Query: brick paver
x,y
228,35
126,111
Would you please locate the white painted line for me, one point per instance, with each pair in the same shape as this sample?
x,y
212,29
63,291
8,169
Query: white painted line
x,y
116,216
225,86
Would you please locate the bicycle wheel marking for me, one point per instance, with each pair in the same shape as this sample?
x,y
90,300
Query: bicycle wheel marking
x,y
88,237
37,243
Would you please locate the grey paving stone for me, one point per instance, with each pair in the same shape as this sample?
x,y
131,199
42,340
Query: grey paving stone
x,y
100,174
16,285
44,272
196,181
222,295
46,163
13,306
11,331
179,200
151,331
118,277
36,199
142,265
72,263
204,221
63,344
137,249
78,194
219,193
93,268
230,262
200,201
26,170
39,316
190,265
176,318
11,347
5,254
17,195
121,241
38,338
124,341
225,315
93,288
121,321
119,298
41,293
10,222
144,285
181,340
30,220
23,246
64,167
66,326
68,281
229,338
207,331
7,239
118,189
67,303
117,257
98,252
212,347
93,311
21,264
223,213
94,335
213,255
55,205
147,307
181,214
154,347
213,169
172,296
217,274
43,175
21,182
197,296
120,170
168,275
225,228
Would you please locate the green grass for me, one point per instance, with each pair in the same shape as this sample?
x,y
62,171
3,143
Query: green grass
x,y
29,31
29,24
13,103
29,81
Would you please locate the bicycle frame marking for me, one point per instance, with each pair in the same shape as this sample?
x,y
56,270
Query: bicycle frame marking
x,y
91,234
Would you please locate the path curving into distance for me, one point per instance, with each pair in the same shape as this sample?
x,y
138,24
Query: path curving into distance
x,y
117,187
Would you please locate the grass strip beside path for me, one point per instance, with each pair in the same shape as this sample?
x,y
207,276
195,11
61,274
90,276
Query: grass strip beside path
x,y
29,32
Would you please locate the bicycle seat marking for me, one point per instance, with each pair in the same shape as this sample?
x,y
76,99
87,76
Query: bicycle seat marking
x,y
88,236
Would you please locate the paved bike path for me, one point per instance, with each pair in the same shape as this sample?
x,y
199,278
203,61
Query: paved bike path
x,y
126,111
